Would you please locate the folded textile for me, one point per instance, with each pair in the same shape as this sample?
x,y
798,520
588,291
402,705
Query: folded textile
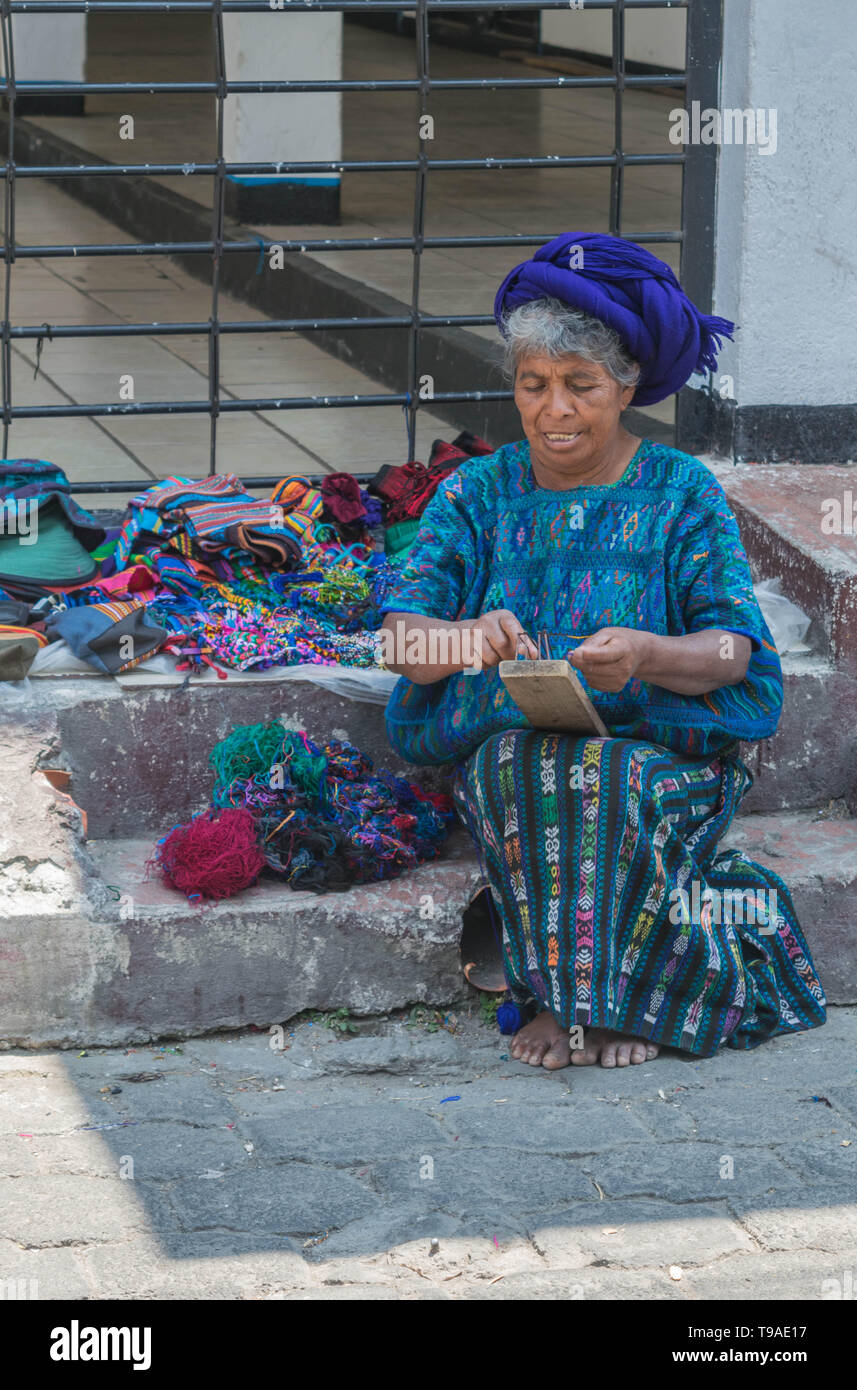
x,y
210,515
342,499
15,612
111,636
409,487
18,648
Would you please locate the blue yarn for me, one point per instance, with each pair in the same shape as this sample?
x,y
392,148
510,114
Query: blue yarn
x,y
509,1018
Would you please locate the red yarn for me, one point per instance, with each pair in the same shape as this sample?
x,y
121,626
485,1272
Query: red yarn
x,y
213,856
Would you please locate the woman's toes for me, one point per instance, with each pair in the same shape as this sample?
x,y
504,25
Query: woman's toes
x,y
587,1055
652,1051
638,1052
608,1054
558,1054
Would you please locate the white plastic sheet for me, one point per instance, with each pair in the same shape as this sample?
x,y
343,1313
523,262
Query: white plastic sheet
x,y
788,623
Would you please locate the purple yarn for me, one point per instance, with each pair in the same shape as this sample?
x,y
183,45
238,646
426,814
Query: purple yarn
x,y
634,293
373,508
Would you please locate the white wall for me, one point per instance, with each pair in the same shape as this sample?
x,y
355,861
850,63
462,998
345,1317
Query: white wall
x,y
653,36
786,229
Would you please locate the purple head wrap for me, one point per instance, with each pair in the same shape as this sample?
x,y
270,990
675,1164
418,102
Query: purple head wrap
x,y
634,293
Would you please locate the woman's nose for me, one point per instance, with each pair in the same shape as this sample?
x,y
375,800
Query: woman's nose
x,y
560,404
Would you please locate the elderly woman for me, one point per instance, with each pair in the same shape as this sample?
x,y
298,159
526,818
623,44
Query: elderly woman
x,y
601,853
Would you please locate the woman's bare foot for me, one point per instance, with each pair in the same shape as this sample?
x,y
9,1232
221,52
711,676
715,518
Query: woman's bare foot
x,y
612,1049
542,1043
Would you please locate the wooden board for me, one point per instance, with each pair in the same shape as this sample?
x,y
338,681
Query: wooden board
x,y
551,696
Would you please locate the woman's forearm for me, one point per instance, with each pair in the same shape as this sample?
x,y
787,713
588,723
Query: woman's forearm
x,y
696,663
425,649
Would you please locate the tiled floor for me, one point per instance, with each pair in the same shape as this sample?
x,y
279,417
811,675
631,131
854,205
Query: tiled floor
x,y
114,290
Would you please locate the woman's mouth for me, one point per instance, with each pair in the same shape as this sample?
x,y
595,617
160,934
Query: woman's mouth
x,y
559,440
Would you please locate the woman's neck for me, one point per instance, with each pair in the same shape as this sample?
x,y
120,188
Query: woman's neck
x,y
600,471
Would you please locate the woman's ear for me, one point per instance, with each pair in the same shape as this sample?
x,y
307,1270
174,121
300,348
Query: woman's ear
x,y
628,393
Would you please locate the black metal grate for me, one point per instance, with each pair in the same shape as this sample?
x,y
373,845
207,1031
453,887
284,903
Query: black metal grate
x,y
703,56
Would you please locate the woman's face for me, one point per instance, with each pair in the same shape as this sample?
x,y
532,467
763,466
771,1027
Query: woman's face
x,y
570,412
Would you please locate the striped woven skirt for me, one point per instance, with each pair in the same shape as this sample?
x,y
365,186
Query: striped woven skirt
x,y
617,909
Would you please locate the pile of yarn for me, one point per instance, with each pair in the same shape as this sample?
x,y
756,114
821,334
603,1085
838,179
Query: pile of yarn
x,y
214,856
323,819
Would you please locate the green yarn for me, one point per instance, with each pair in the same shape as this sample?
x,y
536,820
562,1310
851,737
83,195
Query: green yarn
x,y
248,751
251,750
307,771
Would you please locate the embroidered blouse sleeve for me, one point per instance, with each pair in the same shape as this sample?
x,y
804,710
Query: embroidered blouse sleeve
x,y
444,575
708,579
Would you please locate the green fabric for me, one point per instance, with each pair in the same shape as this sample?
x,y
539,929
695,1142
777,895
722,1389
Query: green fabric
x,y
17,653
55,557
399,538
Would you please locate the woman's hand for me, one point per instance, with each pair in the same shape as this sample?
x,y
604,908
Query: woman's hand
x,y
430,649
502,637
611,657
694,664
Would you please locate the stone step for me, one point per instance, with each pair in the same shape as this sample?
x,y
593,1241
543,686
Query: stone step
x,y
817,859
96,952
99,966
812,758
780,510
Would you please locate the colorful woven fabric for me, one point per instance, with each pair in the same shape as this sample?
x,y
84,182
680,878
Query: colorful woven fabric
x,y
658,550
214,514
588,845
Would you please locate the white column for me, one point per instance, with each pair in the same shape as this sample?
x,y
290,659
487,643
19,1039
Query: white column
x,y
785,241
47,48
282,126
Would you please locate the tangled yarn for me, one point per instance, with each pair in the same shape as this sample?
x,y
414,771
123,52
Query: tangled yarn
x,y
322,819
214,856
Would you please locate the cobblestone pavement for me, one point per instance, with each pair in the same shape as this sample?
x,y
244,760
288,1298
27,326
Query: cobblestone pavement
x,y
327,1169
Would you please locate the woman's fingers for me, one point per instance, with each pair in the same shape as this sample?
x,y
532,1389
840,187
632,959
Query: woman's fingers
x,y
513,633
501,633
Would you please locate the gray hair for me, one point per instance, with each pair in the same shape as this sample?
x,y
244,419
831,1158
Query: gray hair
x,y
549,328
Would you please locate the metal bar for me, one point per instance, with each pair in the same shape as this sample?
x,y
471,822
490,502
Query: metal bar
x,y
704,41
8,226
345,166
321,6
701,32
73,409
255,480
696,422
617,172
419,226
381,84
404,243
216,235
